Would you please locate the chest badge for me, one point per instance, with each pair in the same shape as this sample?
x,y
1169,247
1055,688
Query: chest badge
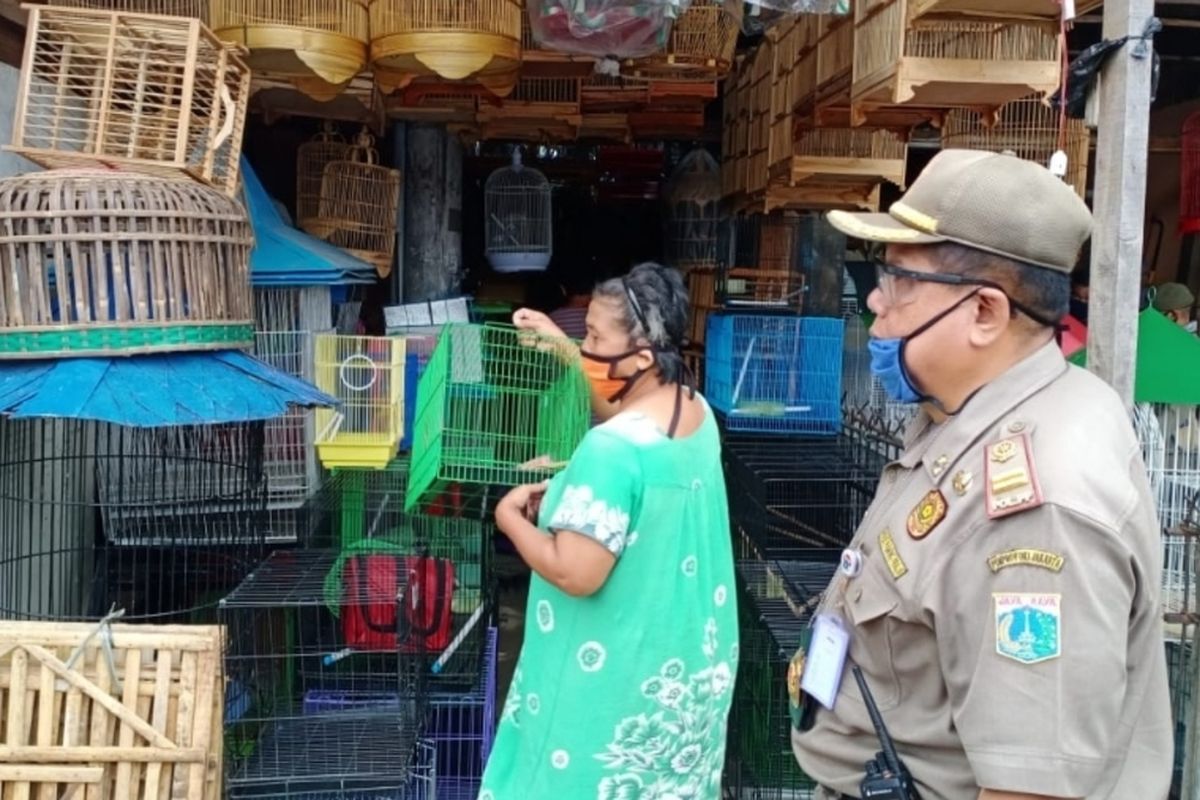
x,y
927,514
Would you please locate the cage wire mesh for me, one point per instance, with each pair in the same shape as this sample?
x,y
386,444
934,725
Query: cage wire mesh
x,y
692,198
518,221
492,400
775,374
462,727
366,375
778,599
158,522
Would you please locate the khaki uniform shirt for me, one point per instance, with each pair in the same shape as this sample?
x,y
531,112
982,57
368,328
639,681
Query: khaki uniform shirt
x,y
1007,615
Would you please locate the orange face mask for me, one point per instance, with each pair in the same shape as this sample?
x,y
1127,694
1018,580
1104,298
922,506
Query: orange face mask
x,y
598,370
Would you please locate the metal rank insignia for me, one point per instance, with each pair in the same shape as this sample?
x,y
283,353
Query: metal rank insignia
x,y
927,514
1010,481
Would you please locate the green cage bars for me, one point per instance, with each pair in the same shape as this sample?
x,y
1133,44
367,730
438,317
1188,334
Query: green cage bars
x,y
491,400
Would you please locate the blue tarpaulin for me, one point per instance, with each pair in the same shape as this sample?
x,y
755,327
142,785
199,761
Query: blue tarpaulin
x,y
154,390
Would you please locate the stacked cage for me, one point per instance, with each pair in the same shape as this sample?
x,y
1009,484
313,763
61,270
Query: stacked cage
x,y
334,647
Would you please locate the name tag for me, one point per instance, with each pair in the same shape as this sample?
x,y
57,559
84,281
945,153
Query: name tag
x,y
826,660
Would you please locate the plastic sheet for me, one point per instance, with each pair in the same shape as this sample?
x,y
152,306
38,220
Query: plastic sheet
x,y
617,29
757,16
1082,71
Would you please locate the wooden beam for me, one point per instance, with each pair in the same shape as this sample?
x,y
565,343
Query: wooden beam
x,y
1122,143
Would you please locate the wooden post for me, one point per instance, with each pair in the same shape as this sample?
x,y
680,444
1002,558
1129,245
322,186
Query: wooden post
x,y
1120,199
432,214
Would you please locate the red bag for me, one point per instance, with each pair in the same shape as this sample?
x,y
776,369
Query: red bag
x,y
374,593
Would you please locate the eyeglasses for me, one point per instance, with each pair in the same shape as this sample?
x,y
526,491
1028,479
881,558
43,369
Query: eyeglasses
x,y
897,285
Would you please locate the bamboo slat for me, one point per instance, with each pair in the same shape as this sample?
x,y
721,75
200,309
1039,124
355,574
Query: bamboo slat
x,y
357,211
477,40
76,732
142,92
323,40
100,261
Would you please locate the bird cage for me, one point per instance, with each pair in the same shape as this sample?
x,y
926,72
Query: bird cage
x,y
835,167
693,197
702,44
766,270
157,521
197,9
1027,127
702,296
307,39
477,40
609,94
775,374
603,28
492,403
605,127
433,100
123,263
931,62
357,210
758,100
148,93
539,109
1050,10
366,375
311,159
538,61
518,233
1189,187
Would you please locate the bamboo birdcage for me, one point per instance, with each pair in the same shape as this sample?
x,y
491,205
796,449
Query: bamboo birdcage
x,y
693,197
1189,186
197,9
518,222
762,80
432,100
539,109
311,159
120,263
947,63
477,40
321,44
1030,129
605,127
359,200
150,93
612,94
828,163
701,46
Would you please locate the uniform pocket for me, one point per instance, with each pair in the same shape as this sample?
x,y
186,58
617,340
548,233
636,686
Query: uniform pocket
x,y
869,602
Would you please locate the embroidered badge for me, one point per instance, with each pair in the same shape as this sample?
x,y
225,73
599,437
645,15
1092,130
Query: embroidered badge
x,y
927,514
1028,626
895,564
1025,556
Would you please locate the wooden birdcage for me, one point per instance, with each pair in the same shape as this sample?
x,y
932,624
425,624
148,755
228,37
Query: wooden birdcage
x,y
947,63
692,197
612,127
150,93
477,40
358,205
837,168
432,100
762,79
1189,186
539,109
735,142
197,9
322,44
359,102
311,159
702,293
120,262
609,94
986,9
1029,128
701,46
835,58
518,223
689,95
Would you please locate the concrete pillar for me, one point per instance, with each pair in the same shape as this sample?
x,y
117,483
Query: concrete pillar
x,y
432,233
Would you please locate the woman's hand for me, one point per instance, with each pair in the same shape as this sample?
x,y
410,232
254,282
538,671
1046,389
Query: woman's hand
x,y
523,502
527,319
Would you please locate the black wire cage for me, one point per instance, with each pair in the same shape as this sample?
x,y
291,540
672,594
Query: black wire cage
x,y
156,522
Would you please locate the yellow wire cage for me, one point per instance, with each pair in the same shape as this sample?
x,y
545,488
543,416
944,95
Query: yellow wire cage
x,y
366,375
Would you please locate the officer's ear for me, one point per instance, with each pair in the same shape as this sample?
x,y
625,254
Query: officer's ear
x,y
992,318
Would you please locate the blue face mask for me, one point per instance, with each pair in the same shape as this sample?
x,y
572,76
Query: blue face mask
x,y
887,360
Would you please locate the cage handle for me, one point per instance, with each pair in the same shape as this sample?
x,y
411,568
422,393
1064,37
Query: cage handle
x,y
328,133
363,149
230,116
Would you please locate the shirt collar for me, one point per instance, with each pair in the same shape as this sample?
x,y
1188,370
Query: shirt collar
x,y
938,447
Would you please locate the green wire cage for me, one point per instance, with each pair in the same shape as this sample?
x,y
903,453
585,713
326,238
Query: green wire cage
x,y
492,400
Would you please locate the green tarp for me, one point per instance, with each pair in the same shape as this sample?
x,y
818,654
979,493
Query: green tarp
x,y
1168,362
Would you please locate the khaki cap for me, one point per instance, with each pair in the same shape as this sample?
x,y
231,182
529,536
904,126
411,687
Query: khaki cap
x,y
1172,297
990,201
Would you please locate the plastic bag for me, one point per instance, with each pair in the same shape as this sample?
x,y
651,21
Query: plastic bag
x,y
1082,71
617,29
755,17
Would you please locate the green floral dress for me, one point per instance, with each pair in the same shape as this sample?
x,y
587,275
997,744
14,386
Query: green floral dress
x,y
624,695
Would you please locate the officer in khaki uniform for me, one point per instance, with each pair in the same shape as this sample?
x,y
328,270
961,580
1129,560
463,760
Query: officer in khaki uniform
x,y
1002,593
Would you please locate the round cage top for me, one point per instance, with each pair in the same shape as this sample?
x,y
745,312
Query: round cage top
x,y
115,262
518,222
696,180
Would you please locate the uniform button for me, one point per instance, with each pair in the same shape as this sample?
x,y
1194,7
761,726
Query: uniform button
x,y
1016,426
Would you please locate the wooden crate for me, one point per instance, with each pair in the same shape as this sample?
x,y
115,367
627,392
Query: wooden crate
x,y
477,40
1028,127
701,46
149,93
946,64
324,40
74,729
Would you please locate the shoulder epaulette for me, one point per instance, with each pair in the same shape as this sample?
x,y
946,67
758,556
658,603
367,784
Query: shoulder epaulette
x,y
1010,480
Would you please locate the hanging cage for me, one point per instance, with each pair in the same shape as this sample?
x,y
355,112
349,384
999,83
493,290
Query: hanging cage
x,y
160,522
149,93
357,210
477,40
518,232
311,159
693,197
197,9
701,46
116,262
1029,128
319,43
1189,186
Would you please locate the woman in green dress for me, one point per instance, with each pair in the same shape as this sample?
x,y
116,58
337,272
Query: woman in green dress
x,y
623,686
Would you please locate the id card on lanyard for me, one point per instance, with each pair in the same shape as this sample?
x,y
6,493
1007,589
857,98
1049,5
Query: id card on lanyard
x,y
826,659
